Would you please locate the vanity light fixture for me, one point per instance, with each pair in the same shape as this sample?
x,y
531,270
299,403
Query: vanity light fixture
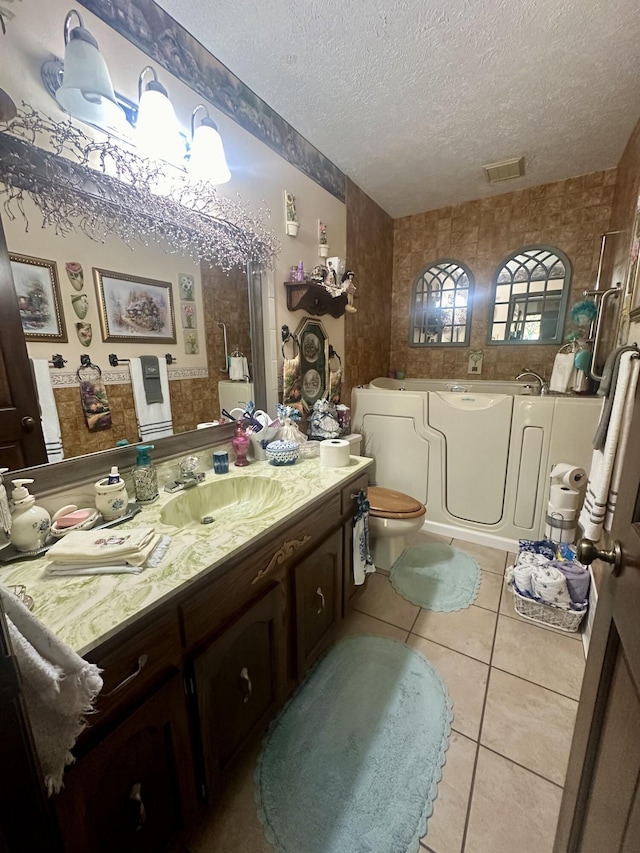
x,y
157,131
207,160
86,91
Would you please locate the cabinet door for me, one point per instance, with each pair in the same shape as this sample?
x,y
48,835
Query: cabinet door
x,y
238,682
134,790
318,582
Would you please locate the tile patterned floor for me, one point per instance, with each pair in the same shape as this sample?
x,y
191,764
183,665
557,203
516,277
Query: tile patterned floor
x,y
514,687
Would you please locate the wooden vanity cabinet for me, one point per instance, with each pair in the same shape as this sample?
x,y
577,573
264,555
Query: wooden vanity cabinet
x,y
238,682
318,597
133,791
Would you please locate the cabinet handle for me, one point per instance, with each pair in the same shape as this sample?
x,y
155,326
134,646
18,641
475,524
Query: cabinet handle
x,y
142,660
140,812
283,553
246,683
320,593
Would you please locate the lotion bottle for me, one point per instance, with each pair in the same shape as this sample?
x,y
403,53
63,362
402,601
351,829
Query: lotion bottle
x,y
30,524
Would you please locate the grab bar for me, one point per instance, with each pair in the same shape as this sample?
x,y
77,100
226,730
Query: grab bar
x,y
606,295
224,369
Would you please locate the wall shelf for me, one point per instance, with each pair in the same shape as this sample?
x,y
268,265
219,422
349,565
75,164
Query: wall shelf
x,y
314,299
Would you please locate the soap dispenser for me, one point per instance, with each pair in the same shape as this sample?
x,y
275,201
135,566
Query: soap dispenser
x,y
145,476
30,524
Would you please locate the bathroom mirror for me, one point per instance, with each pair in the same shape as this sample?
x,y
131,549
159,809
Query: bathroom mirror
x,y
530,292
233,299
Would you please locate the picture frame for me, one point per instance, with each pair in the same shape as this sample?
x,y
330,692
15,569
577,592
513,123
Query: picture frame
x,y
633,274
38,291
135,309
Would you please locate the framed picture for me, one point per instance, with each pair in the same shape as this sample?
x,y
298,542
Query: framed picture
x,y
134,308
38,291
187,287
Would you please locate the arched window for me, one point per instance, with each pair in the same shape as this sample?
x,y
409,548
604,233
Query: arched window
x,y
441,305
530,290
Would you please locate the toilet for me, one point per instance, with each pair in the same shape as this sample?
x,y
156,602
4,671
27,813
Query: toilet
x,y
392,516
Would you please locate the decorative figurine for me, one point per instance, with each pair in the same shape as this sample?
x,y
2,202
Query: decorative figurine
x,y
323,243
323,421
291,217
300,271
349,288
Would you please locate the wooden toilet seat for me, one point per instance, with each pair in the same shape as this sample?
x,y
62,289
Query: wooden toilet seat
x,y
387,503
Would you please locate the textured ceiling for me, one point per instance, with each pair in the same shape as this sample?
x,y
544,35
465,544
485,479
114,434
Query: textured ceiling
x,y
411,97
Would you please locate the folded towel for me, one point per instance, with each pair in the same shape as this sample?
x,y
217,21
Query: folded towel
x,y
541,546
151,378
563,375
159,547
48,411
520,573
606,464
58,687
607,389
577,577
549,585
105,547
154,419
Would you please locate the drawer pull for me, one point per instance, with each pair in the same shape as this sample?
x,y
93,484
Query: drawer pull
x,y
246,684
139,811
283,553
321,595
142,661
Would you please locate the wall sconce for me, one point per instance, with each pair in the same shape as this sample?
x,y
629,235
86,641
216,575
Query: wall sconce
x,y
157,131
207,160
86,91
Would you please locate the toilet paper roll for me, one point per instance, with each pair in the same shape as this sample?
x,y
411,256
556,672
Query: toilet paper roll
x,y
335,453
561,514
569,475
564,497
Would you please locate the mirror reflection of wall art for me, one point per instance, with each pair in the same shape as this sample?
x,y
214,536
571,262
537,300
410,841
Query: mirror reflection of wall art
x,y
84,333
80,304
187,287
134,308
38,291
314,361
191,343
291,217
188,314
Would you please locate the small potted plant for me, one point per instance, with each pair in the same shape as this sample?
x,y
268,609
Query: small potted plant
x,y
323,244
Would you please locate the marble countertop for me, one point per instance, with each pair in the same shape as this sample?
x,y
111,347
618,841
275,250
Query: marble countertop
x,y
84,611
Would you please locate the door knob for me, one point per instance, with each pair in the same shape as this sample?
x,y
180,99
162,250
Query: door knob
x,y
28,423
587,552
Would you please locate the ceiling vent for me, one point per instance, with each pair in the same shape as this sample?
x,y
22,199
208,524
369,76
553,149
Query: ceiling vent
x,y
505,170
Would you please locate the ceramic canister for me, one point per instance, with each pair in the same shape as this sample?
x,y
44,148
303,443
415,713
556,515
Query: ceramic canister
x,y
112,500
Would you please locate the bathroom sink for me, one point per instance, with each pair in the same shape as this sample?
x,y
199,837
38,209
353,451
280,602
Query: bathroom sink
x,y
235,498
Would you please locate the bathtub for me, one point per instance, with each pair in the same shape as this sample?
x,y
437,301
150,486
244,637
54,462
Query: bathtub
x,y
478,453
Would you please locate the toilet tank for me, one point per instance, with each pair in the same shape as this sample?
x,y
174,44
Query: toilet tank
x,y
234,395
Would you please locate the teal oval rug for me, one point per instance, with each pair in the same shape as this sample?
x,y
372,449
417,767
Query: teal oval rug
x,y
352,763
437,577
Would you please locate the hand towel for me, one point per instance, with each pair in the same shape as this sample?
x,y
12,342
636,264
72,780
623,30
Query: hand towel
x,y
550,586
238,368
607,390
520,573
159,547
93,396
48,411
154,419
362,562
606,464
151,378
578,579
563,375
105,547
58,687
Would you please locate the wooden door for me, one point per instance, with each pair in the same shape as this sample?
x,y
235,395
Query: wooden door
x,y
600,810
21,440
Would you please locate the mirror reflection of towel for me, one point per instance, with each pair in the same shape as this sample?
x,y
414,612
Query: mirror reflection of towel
x,y
95,403
238,368
151,378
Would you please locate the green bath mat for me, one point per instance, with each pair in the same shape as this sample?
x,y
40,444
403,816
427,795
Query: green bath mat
x,y
437,577
353,762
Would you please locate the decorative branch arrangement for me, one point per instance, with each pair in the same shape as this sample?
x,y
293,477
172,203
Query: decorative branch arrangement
x,y
102,188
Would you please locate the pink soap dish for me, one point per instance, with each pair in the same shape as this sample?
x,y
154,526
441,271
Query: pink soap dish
x,y
71,518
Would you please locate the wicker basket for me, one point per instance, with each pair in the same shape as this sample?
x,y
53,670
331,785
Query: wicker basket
x,y
547,615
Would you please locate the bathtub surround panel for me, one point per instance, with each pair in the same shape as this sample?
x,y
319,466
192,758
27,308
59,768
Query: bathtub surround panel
x,y
370,255
570,215
504,465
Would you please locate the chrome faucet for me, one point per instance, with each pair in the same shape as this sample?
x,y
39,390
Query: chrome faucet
x,y
189,476
543,385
